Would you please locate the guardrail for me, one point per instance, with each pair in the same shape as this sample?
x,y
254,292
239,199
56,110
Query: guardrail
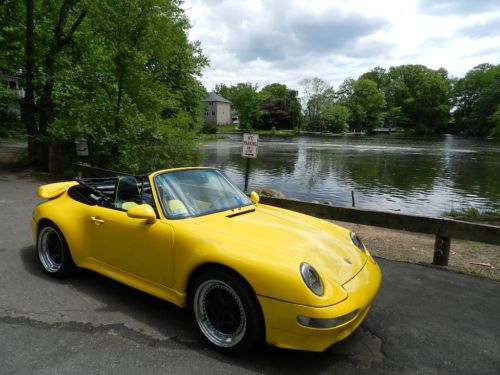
x,y
443,229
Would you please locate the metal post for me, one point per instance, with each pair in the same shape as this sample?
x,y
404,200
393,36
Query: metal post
x,y
247,174
441,250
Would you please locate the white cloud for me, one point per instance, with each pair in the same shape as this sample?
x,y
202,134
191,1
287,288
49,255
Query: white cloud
x,y
285,41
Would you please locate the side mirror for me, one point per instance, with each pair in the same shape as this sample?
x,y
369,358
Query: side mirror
x,y
142,211
254,197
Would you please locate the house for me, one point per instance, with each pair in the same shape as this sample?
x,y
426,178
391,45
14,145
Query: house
x,y
12,83
217,110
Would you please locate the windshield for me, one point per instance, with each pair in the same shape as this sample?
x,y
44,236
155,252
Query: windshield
x,y
196,192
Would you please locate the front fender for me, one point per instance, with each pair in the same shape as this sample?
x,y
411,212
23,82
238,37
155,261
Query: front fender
x,y
269,274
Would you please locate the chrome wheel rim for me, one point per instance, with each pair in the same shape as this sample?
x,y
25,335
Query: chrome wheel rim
x,y
50,249
219,313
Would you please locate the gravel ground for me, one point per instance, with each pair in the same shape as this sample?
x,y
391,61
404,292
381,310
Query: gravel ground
x,y
465,256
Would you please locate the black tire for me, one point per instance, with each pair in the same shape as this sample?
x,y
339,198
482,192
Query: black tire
x,y
219,285
53,251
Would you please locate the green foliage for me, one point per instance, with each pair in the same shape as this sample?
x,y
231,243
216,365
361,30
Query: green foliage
x,y
317,94
365,102
335,118
280,106
422,94
127,78
472,213
478,98
245,100
209,128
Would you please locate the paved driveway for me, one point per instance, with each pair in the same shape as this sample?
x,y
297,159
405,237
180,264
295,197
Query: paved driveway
x,y
424,320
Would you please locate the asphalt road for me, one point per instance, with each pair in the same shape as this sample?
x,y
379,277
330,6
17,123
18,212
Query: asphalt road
x,y
424,320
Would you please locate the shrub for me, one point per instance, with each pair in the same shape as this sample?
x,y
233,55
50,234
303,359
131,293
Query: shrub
x,y
209,129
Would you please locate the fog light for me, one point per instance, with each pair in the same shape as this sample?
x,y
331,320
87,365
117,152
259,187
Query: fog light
x,y
325,323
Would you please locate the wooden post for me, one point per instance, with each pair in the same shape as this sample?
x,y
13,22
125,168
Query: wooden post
x,y
352,197
441,250
247,174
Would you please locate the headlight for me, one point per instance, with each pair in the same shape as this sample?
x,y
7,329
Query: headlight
x,y
311,278
357,241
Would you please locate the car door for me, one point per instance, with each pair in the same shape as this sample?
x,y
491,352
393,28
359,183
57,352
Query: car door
x,y
132,245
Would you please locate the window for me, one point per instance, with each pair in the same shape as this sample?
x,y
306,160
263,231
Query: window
x,y
213,113
131,190
211,103
12,85
197,192
206,113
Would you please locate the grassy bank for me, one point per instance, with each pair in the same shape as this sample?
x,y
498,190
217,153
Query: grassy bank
x,y
473,214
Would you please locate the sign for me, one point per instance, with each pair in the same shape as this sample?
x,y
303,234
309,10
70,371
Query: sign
x,y
250,145
82,148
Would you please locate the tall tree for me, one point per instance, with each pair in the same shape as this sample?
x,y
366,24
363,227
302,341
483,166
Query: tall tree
x,y
477,100
422,94
316,94
365,102
281,107
137,74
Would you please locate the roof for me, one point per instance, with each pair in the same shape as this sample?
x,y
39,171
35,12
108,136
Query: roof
x,y
213,97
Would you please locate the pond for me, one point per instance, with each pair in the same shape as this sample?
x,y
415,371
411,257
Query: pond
x,y
427,176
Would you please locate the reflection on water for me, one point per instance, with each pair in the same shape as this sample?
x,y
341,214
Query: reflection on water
x,y
415,175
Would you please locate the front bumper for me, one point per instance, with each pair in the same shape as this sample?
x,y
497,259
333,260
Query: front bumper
x,y
283,330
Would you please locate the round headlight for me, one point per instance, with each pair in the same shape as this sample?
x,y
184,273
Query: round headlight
x,y
311,278
357,241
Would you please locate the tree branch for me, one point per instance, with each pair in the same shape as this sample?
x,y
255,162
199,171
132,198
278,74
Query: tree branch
x,y
76,24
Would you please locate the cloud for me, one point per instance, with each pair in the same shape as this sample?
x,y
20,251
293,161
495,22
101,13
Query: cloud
x,y
279,30
487,28
460,7
264,41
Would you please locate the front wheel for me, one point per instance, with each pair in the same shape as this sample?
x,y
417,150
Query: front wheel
x,y
226,312
53,251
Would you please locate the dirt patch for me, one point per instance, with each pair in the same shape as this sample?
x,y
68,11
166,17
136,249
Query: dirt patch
x,y
465,256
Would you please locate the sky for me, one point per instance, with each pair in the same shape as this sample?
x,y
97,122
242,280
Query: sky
x,y
286,41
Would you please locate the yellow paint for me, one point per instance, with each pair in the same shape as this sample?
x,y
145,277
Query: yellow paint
x,y
265,246
51,191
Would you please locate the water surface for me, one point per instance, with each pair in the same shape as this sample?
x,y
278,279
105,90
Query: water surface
x,y
426,176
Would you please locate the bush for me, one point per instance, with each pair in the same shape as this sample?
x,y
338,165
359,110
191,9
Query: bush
x,y
209,129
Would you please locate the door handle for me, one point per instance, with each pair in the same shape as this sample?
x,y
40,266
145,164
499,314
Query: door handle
x,y
97,220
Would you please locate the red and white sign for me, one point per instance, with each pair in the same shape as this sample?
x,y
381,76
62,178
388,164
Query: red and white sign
x,y
250,145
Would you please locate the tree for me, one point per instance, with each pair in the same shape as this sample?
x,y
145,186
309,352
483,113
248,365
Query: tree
x,y
281,107
245,100
11,56
423,96
316,94
365,102
136,73
477,98
335,118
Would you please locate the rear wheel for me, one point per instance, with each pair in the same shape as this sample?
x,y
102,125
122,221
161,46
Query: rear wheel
x,y
53,251
226,312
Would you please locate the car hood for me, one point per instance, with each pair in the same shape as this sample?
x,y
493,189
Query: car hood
x,y
297,238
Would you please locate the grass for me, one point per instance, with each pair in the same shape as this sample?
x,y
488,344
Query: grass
x,y
210,137
471,213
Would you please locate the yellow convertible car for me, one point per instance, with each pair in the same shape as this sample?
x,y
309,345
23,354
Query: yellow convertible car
x,y
247,271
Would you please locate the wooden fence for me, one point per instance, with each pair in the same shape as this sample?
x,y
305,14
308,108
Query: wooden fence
x,y
443,229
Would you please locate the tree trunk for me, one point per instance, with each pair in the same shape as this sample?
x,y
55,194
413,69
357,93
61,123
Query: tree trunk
x,y
45,105
29,99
